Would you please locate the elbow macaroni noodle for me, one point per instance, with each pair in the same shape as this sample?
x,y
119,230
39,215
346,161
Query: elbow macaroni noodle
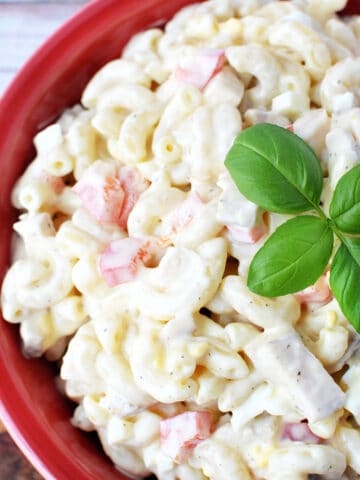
x,y
176,333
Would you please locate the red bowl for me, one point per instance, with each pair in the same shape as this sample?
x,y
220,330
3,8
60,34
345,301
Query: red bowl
x,y
34,412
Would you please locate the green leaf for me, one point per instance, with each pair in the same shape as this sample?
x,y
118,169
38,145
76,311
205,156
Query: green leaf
x,y
275,169
293,258
345,203
345,280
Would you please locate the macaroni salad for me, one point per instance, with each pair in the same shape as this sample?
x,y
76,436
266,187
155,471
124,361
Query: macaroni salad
x,y
133,247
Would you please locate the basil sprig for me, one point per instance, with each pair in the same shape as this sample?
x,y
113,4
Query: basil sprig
x,y
300,240
345,277
277,170
259,163
345,203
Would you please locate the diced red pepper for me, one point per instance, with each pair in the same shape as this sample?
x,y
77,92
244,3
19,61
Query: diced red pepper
x,y
180,434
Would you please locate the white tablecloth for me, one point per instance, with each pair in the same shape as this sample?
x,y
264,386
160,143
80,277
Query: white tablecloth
x,y
24,25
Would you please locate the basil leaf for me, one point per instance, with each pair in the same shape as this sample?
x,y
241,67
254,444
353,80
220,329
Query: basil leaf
x,y
345,203
345,280
275,169
293,258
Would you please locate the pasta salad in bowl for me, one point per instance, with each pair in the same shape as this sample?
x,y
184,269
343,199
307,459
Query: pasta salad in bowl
x,y
185,258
